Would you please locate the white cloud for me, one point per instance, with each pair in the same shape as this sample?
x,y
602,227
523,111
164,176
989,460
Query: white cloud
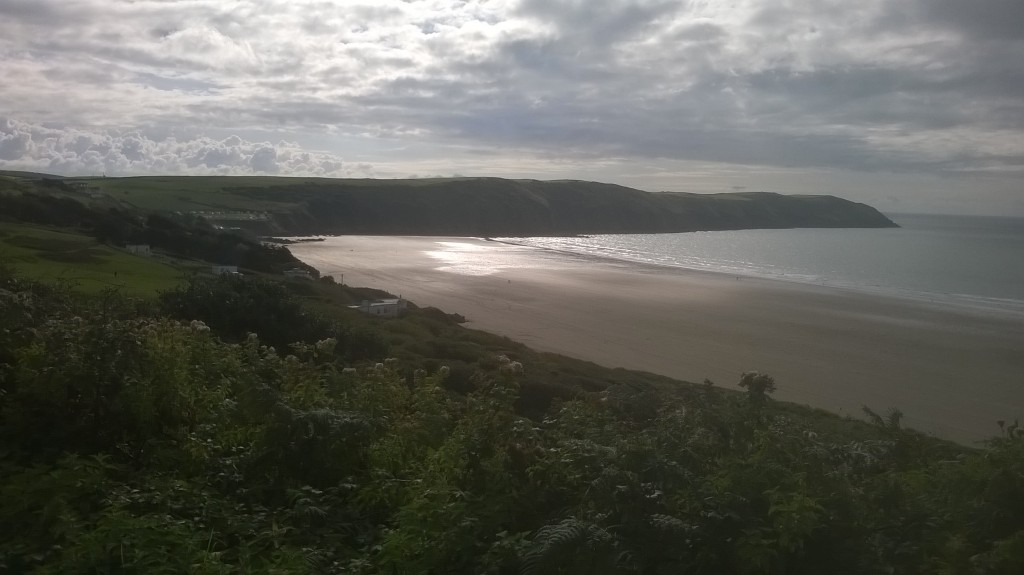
x,y
75,152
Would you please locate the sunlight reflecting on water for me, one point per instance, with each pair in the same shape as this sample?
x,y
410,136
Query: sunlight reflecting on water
x,y
484,259
470,259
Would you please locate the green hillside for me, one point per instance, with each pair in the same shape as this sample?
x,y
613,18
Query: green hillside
x,y
255,424
189,436
55,255
53,230
470,206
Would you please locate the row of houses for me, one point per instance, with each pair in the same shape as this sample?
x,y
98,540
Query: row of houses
x,y
88,190
234,216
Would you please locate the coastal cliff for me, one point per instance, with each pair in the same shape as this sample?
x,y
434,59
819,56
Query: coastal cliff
x,y
500,207
454,206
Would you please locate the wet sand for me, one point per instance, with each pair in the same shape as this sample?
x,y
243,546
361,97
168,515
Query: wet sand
x,y
953,371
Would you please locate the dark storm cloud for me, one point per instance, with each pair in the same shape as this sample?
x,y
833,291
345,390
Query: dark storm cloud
x,y
983,20
37,13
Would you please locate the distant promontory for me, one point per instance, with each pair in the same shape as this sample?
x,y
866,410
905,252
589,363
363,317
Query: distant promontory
x,y
470,206
501,207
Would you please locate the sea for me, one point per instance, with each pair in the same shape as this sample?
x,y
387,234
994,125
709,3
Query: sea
x,y
975,261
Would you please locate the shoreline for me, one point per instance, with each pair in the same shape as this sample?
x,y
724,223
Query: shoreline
x,y
953,372
968,303
996,307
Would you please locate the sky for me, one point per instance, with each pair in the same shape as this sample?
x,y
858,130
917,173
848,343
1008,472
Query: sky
x,y
908,105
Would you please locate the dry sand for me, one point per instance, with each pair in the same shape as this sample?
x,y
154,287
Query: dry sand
x,y
953,372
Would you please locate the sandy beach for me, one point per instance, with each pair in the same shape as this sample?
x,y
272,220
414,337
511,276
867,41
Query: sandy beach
x,y
953,371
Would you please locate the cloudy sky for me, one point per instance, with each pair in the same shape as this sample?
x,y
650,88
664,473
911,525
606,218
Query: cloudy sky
x,y
910,105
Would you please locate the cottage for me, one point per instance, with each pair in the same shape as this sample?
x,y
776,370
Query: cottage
x,y
382,307
138,249
221,270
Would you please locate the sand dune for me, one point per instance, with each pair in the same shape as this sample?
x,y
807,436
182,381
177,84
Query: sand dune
x,y
954,372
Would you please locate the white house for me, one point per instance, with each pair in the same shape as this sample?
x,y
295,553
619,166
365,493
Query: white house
x,y
382,307
220,270
138,249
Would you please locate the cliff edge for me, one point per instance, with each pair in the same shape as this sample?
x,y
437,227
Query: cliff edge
x,y
500,207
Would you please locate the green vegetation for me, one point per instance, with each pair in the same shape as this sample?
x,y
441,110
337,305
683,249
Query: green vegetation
x,y
136,443
469,206
254,425
188,193
56,255
76,231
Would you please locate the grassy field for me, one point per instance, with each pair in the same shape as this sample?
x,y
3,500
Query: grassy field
x,y
188,194
51,255
196,193
211,193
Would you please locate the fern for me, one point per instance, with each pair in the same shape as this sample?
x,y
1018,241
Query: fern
x,y
561,543
891,423
669,524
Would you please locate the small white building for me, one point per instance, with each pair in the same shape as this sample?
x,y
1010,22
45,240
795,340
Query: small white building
x,y
138,249
221,270
382,307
